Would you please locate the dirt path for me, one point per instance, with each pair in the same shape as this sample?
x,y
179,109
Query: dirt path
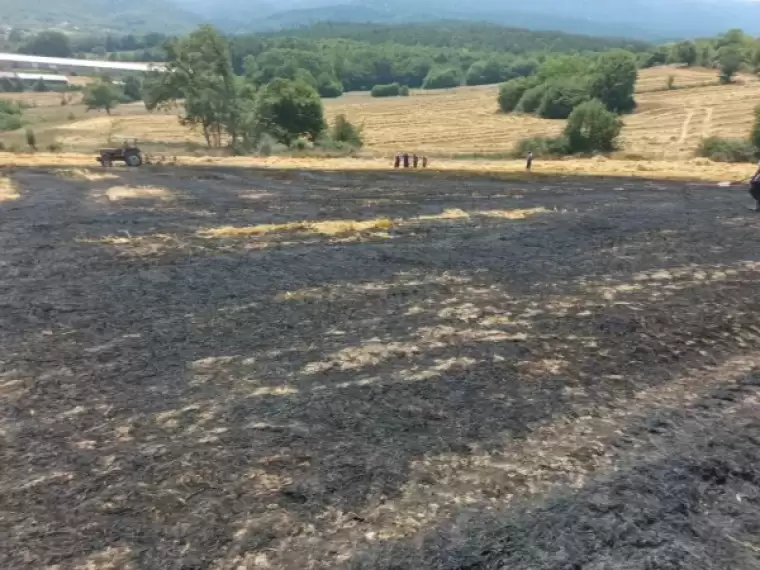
x,y
223,368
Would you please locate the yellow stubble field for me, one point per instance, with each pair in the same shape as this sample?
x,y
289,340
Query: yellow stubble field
x,y
668,125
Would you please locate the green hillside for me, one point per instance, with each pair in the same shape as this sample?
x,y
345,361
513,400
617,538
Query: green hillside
x,y
96,15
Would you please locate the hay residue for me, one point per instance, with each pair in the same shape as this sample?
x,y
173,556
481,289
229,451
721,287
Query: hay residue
x,y
328,228
118,193
84,174
8,190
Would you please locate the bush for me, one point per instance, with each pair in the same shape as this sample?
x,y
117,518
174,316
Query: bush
x,y
532,99
344,131
729,61
754,136
9,107
727,150
404,91
389,90
330,89
592,128
542,146
561,97
511,92
31,139
10,122
442,79
55,146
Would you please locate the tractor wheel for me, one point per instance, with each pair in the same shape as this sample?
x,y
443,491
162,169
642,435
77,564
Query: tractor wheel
x,y
133,159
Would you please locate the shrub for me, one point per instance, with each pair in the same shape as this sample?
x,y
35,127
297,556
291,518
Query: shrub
x,y
387,90
344,131
542,146
31,139
10,122
532,99
55,146
592,128
727,150
511,92
729,61
561,97
9,107
330,89
404,91
442,79
754,136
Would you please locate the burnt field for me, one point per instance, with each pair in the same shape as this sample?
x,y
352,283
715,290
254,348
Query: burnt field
x,y
220,368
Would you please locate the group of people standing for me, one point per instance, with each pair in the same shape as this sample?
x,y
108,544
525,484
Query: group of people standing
x,y
406,158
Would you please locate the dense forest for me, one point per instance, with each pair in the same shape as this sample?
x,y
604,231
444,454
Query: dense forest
x,y
336,58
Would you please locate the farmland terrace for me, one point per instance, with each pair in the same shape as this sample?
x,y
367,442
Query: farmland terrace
x,y
222,368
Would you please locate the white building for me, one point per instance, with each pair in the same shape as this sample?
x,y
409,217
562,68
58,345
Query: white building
x,y
15,60
31,78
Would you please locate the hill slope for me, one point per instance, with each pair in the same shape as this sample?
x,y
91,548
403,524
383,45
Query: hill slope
x,y
649,19
103,15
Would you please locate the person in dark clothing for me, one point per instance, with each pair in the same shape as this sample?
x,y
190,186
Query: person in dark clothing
x,y
424,162
397,160
415,160
529,162
754,189
406,160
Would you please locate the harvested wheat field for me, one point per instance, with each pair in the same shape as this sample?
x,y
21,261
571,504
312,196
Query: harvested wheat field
x,y
668,125
209,367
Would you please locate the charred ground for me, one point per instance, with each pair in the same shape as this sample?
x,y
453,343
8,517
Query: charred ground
x,y
229,368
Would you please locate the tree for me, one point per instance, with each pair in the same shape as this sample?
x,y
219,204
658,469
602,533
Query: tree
x,y
591,127
532,98
486,72
329,87
685,52
658,57
133,88
288,109
199,72
48,43
511,92
344,131
40,86
562,96
613,80
729,62
16,36
442,79
101,95
756,58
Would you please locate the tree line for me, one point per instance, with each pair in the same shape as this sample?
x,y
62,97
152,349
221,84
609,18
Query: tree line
x,y
729,53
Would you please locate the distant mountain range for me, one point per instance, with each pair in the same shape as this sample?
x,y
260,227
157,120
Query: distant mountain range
x,y
97,15
642,19
639,19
